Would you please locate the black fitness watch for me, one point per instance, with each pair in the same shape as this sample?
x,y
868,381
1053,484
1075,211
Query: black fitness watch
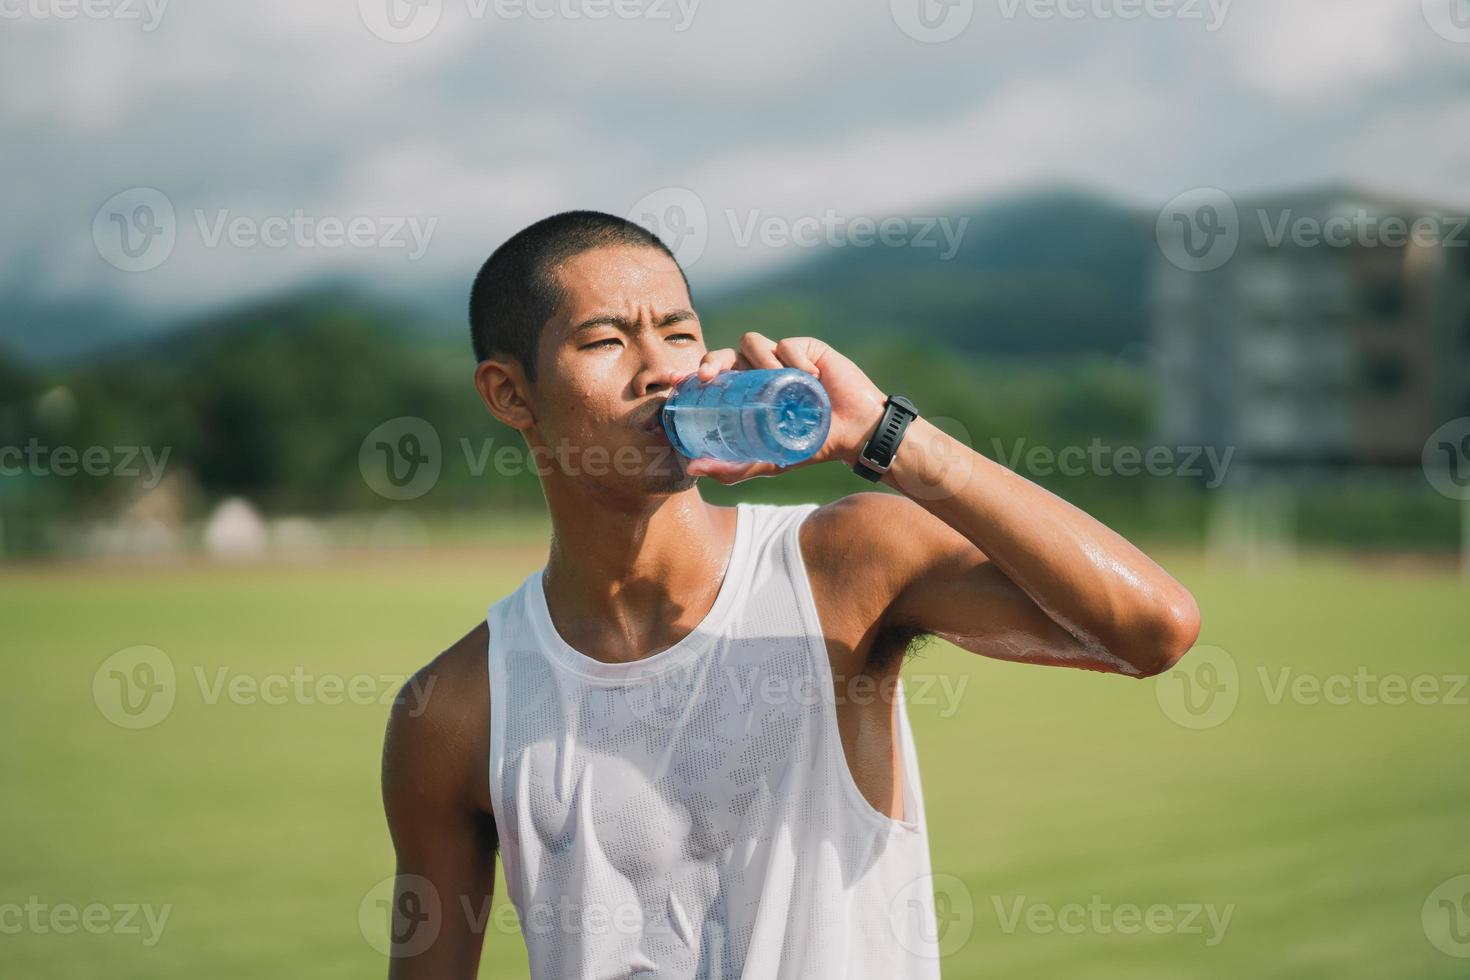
x,y
877,454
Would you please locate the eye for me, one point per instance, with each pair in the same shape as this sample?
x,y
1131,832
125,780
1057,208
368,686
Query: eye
x,y
602,343
685,336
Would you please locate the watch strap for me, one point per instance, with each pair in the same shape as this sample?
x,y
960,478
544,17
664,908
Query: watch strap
x,y
882,446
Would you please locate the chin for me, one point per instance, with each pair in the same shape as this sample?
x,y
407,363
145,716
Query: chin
x,y
672,477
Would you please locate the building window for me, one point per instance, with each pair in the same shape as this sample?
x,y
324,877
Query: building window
x,y
1383,300
1384,374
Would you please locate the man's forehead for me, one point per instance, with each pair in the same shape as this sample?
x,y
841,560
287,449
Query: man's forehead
x,y
620,279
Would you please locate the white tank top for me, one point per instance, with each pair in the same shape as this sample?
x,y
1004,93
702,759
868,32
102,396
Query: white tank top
x,y
691,814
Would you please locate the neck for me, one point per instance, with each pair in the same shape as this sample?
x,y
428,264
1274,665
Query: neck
x,y
626,578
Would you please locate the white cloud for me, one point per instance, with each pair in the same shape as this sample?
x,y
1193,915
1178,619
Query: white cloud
x,y
785,108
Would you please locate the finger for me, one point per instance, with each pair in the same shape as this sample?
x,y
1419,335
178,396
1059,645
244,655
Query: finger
x,y
793,353
728,473
759,350
716,361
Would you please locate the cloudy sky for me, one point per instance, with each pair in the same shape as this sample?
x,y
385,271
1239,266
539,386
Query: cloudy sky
x,y
248,147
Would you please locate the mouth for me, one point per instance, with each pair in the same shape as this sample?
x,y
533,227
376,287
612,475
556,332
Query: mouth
x,y
655,420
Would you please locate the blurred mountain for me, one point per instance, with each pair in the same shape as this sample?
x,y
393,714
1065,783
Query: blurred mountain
x,y
1056,272
46,330
1053,272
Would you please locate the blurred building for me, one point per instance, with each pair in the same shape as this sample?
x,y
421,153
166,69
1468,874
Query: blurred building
x,y
1333,331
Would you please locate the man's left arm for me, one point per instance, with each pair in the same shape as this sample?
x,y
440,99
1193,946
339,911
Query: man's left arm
x,y
976,553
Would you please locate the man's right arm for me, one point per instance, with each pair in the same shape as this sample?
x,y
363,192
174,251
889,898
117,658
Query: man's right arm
x,y
436,795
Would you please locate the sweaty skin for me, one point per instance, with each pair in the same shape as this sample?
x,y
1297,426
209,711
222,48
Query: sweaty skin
x,y
965,549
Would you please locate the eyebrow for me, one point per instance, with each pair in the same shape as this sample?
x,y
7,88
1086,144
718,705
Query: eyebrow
x,y
626,325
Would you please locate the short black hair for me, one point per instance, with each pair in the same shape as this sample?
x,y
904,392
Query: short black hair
x,y
516,291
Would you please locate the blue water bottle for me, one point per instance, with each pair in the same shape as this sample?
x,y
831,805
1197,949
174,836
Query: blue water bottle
x,y
769,415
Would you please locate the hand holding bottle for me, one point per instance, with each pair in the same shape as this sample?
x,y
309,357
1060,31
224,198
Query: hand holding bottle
x,y
856,403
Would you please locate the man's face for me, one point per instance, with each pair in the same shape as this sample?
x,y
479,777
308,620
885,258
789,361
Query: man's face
x,y
623,334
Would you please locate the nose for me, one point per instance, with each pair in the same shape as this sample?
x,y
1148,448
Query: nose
x,y
660,370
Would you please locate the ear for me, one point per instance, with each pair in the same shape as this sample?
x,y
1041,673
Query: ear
x,y
504,390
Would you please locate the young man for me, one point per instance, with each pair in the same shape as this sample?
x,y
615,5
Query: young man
x,y
685,736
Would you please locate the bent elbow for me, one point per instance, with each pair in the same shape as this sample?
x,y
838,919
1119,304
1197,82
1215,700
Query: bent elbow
x,y
1170,635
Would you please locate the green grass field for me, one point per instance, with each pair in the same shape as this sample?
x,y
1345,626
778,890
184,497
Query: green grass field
x,y
1056,798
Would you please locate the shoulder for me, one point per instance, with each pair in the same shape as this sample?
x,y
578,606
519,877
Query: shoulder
x,y
438,736
855,552
869,526
864,550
